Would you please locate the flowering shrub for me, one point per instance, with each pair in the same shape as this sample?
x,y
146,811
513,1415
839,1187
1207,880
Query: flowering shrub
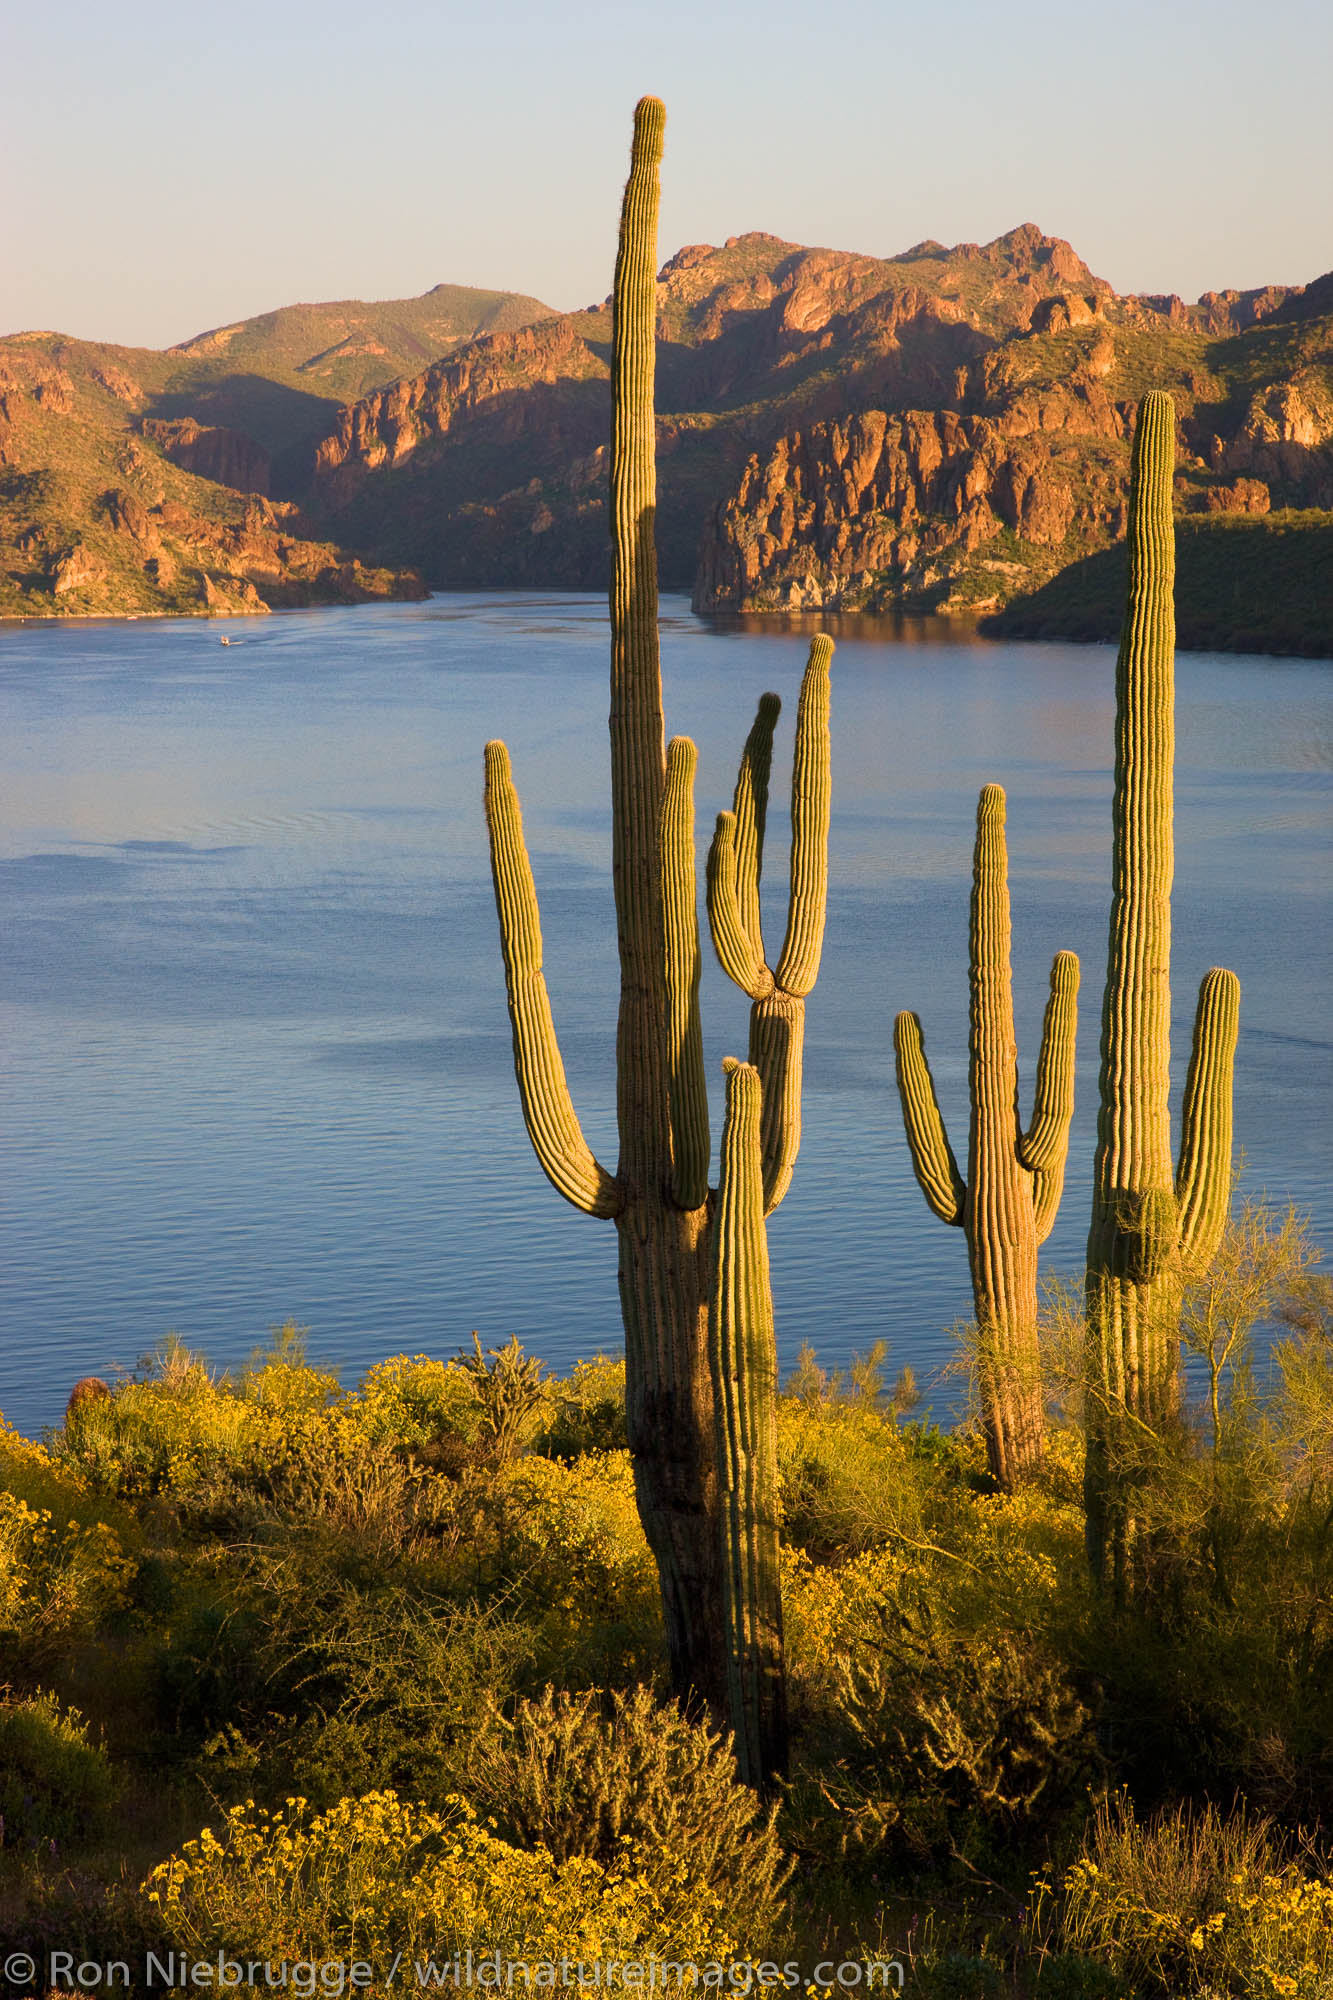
x,y
1200,1904
56,1577
569,1540
375,1876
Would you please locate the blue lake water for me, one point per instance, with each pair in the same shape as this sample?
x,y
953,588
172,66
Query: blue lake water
x,y
256,1049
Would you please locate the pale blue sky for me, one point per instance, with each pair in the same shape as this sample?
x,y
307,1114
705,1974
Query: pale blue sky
x,y
175,166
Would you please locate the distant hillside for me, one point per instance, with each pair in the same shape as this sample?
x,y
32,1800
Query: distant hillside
x,y
240,409
947,429
99,519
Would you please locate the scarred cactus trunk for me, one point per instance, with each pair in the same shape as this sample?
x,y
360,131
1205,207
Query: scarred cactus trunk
x,y
1150,1222
659,1195
1014,1179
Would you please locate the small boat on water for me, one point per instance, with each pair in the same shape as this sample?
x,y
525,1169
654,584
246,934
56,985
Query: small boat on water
x,y
223,640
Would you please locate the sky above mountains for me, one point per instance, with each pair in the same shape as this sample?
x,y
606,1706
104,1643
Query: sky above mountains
x,y
173,168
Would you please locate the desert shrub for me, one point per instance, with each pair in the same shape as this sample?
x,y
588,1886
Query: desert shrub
x,y
849,1477
287,1662
587,1411
606,1777
928,1726
59,1581
563,1544
428,1409
55,1785
952,1737
174,1433
279,1376
375,1876
1198,1902
331,1482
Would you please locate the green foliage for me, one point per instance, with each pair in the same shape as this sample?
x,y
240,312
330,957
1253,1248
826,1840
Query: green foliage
x,y
323,1613
1196,1902
588,1411
1244,583
950,1741
623,1774
56,1786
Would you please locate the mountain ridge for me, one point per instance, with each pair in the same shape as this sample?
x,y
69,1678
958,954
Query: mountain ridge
x,y
942,430
233,409
488,468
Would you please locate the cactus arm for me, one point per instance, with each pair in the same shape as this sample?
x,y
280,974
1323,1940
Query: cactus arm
x,y
750,807
743,1360
685,1050
932,1156
548,1111
1044,1148
798,967
1203,1178
731,941
777,1045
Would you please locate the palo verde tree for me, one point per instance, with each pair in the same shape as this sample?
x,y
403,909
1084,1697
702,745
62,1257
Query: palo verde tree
x,y
1008,1203
658,1196
1151,1224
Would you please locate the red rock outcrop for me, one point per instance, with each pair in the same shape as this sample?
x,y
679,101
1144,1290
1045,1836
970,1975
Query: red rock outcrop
x,y
858,514
229,457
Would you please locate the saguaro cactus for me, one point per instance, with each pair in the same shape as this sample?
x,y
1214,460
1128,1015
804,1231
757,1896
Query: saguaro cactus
x,y
659,1196
1014,1178
743,1358
1149,1224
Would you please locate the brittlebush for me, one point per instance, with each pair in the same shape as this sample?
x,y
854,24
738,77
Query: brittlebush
x,y
376,1876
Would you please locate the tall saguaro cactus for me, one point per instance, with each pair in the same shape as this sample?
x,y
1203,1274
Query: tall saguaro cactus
x,y
1015,1178
744,1364
658,1196
1150,1224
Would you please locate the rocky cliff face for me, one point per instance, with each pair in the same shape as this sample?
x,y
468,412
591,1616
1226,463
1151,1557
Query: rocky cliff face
x,y
879,508
961,508
214,452
485,468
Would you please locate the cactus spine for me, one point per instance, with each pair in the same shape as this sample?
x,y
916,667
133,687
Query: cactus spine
x,y
1150,1224
1014,1178
659,1196
744,1368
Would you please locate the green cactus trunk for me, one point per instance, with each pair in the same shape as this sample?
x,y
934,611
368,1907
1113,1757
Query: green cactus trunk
x,y
1150,1223
665,1248
659,1195
1014,1179
743,1359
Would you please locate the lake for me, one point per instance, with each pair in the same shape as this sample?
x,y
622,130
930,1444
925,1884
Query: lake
x,y
256,1045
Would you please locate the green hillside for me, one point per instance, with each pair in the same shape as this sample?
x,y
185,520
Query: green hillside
x,y
1261,584
281,377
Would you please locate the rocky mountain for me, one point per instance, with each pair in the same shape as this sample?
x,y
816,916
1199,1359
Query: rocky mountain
x,y
947,429
962,508
94,437
488,467
100,516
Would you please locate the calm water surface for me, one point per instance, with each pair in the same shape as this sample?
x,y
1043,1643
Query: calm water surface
x,y
256,1047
